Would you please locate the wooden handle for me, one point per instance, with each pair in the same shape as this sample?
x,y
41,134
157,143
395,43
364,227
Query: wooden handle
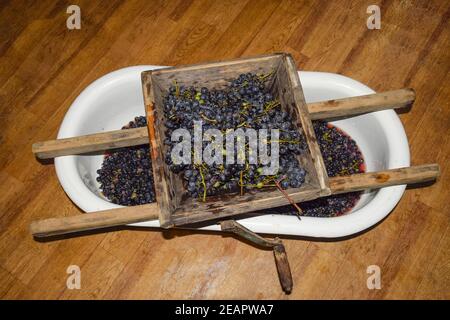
x,y
114,217
94,220
90,143
381,179
283,268
362,104
132,137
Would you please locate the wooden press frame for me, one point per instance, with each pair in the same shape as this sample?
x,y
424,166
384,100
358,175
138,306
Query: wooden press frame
x,y
178,209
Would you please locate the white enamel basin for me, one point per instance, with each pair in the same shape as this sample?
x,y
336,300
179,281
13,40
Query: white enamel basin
x,y
116,98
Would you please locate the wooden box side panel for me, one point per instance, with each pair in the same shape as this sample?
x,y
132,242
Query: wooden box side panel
x,y
161,180
228,205
175,187
216,74
306,124
285,94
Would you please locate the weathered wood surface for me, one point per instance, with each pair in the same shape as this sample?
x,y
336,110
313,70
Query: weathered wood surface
x,y
44,67
127,215
387,178
90,143
393,99
163,182
95,220
316,161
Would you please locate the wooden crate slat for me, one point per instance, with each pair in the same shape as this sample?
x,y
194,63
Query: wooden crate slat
x,y
306,124
159,177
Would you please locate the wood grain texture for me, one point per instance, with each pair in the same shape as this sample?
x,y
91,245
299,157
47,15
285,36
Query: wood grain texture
x,y
44,66
95,220
90,143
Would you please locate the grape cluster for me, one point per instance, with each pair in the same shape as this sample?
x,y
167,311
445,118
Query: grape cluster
x,y
125,176
342,157
245,102
339,151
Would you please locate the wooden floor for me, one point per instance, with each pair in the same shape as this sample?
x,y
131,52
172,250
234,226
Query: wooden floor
x,y
44,66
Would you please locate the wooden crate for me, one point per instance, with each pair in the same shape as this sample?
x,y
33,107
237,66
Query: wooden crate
x,y
176,208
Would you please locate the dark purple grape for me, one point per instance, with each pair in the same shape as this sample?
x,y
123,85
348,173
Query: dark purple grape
x,y
125,176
